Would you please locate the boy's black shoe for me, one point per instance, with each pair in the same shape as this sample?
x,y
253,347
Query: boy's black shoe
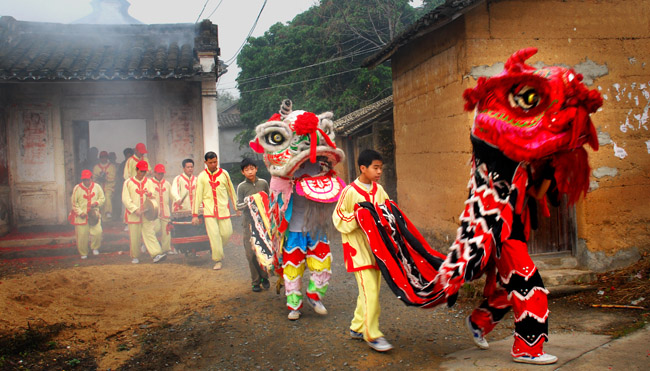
x,y
257,288
265,283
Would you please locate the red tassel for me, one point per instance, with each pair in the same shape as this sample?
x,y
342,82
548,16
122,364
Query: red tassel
x,y
306,123
572,173
327,138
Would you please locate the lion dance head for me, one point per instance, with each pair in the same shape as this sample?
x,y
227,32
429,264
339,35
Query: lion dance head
x,y
538,114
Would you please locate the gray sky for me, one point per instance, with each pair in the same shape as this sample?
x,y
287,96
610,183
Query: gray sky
x,y
234,18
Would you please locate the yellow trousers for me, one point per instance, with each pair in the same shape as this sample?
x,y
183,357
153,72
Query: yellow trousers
x,y
85,233
107,207
165,237
146,233
219,232
366,314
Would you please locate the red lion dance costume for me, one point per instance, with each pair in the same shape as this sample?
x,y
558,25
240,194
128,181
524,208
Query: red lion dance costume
x,y
528,136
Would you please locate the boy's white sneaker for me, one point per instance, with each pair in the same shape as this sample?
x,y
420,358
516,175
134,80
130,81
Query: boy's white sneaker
x,y
159,257
380,344
84,256
544,359
317,305
477,335
294,315
95,252
356,335
135,261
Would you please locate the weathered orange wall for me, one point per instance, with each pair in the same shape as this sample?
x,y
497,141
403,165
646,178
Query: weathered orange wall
x,y
432,131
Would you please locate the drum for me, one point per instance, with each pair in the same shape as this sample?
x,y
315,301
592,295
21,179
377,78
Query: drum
x,y
93,216
186,237
150,209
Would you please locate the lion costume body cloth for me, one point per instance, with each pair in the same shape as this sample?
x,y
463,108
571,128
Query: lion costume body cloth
x,y
300,154
528,134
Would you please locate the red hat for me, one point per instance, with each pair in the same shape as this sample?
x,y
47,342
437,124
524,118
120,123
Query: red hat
x,y
142,165
103,154
160,168
140,147
86,174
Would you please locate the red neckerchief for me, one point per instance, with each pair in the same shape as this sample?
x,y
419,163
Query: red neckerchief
x,y
88,196
214,183
366,194
160,188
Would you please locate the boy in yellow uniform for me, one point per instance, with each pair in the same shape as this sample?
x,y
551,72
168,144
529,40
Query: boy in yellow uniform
x,y
161,194
213,189
135,192
357,254
104,174
138,155
183,189
86,196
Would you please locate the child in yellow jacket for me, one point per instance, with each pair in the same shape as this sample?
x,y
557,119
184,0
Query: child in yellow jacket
x,y
357,254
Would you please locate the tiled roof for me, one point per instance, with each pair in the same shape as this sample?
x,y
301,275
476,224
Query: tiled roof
x,y
431,21
229,121
53,51
358,119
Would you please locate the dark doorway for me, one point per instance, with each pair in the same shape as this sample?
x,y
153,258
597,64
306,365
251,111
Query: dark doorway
x,y
555,234
81,139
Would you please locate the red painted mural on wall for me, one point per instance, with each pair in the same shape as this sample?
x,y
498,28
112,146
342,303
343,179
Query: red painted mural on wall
x,y
35,148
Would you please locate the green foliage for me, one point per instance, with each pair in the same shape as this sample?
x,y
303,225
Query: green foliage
x,y
123,347
73,362
315,59
429,5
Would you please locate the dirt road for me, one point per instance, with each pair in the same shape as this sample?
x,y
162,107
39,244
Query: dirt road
x,y
106,313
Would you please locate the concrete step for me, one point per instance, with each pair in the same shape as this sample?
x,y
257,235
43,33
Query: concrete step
x,y
560,277
562,260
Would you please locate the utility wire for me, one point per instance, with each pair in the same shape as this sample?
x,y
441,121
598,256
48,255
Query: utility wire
x,y
202,10
297,82
249,34
215,9
256,78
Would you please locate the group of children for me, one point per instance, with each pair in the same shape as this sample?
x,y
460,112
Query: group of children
x,y
186,194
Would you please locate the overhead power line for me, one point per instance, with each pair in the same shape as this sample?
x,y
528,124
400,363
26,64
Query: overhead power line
x,y
256,78
249,34
202,10
214,10
297,82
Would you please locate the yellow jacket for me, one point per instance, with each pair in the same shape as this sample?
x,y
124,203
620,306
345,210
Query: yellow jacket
x,y
356,251
182,186
107,173
134,194
211,187
83,199
161,194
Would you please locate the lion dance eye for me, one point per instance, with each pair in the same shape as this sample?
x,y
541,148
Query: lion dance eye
x,y
526,98
274,138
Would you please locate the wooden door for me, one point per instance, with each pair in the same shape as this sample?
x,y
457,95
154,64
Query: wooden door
x,y
34,152
555,234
